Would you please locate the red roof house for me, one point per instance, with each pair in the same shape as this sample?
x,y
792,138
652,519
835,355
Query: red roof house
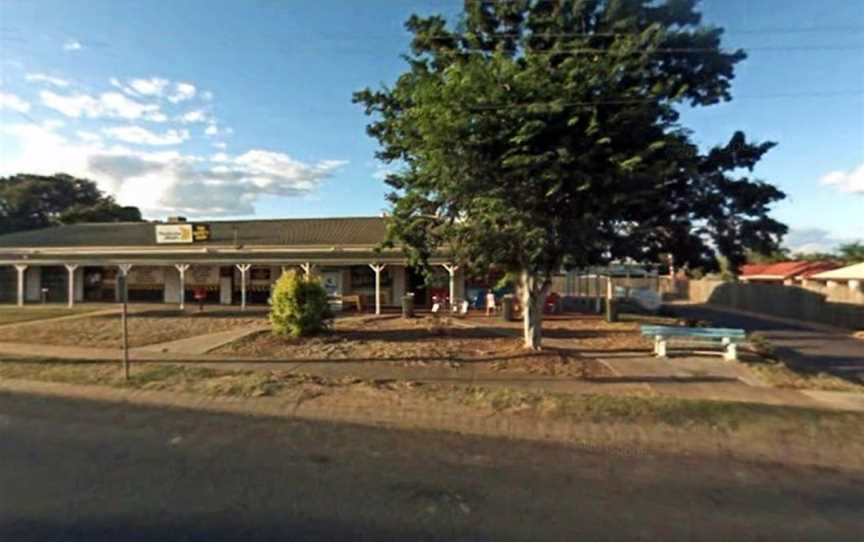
x,y
781,272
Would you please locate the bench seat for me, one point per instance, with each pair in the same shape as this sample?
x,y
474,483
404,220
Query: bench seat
x,y
728,338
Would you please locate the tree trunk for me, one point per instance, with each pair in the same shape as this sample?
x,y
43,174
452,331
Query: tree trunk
x,y
533,298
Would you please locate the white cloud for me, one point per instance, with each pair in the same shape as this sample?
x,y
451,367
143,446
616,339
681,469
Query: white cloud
x,y
88,137
107,105
211,130
800,240
13,102
155,116
194,116
220,145
72,45
846,181
71,106
143,136
167,182
149,87
42,78
207,96
182,92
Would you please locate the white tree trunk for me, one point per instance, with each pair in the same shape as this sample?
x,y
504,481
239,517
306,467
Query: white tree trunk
x,y
533,297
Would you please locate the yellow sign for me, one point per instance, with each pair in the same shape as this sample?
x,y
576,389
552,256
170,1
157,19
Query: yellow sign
x,y
201,232
174,233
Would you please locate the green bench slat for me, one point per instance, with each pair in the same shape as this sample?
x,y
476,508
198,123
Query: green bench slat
x,y
694,332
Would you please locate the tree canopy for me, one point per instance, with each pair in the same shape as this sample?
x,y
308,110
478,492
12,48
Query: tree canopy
x,y
847,253
537,134
30,202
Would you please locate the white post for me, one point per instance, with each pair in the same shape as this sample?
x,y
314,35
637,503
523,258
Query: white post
x,y
21,268
452,270
377,269
181,268
71,267
243,269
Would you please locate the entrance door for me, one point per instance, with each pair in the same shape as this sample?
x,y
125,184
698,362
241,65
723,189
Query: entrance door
x,y
416,282
55,280
8,283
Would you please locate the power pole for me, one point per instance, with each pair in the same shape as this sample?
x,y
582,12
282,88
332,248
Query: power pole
x,y
124,297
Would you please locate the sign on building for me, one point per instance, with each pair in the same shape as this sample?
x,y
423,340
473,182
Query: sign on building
x,y
201,232
174,233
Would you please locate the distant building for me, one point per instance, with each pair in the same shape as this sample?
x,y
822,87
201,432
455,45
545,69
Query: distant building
x,y
789,273
852,275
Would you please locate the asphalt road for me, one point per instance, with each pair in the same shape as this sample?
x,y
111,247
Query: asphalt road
x,y
802,345
73,470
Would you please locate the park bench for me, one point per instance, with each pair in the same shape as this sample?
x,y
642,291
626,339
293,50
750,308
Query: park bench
x,y
728,338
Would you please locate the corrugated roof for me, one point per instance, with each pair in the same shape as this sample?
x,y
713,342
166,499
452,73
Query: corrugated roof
x,y
753,269
785,270
850,272
356,231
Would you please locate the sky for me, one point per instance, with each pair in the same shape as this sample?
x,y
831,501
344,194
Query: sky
x,y
224,109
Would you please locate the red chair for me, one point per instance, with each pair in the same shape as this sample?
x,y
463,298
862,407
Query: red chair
x,y
553,303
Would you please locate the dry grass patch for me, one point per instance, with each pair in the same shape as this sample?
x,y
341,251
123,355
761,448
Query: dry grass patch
x,y
15,315
755,430
416,342
151,327
382,339
780,375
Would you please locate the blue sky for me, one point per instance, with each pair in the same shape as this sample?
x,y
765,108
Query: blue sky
x,y
217,109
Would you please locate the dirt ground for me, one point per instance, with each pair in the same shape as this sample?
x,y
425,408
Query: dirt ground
x,y
417,341
14,315
145,328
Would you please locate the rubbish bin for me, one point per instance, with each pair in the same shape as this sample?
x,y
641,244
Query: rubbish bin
x,y
507,307
408,305
612,310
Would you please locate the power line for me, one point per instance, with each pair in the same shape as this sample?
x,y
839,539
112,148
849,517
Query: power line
x,y
643,101
597,51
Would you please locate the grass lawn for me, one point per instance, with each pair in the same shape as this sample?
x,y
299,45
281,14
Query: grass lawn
x,y
692,419
145,328
13,315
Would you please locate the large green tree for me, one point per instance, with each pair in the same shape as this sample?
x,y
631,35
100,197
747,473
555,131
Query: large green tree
x,y
539,134
30,202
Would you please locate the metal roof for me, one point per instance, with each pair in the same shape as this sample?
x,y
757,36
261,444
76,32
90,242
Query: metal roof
x,y
298,232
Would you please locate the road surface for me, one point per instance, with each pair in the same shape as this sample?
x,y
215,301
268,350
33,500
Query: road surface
x,y
74,470
836,353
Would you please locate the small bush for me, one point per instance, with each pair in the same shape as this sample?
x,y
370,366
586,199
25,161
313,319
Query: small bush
x,y
298,306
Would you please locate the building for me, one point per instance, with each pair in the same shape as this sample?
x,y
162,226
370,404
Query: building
x,y
788,273
229,262
851,275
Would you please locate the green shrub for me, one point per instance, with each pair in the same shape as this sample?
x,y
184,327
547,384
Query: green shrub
x,y
298,306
